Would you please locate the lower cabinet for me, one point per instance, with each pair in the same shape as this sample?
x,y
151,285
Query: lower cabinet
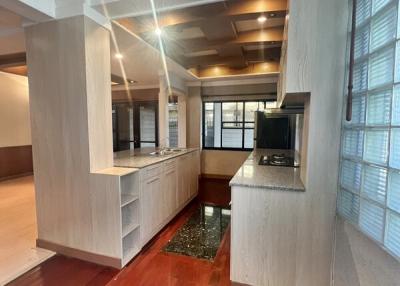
x,y
165,189
151,211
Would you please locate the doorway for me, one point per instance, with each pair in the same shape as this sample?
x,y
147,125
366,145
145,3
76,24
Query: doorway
x,y
135,125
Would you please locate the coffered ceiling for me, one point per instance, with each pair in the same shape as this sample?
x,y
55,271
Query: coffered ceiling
x,y
236,36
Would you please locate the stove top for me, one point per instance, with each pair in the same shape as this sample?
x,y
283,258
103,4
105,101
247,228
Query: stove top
x,y
280,160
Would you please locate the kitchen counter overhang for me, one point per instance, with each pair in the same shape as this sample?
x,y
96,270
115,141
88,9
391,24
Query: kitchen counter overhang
x,y
253,175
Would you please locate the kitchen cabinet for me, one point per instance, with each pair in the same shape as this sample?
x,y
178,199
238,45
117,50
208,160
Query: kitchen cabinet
x,y
294,85
150,198
184,170
171,186
165,189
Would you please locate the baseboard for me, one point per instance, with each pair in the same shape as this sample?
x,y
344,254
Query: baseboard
x,y
16,176
216,176
80,254
238,284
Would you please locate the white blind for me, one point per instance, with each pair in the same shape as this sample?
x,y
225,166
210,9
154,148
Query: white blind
x,y
369,185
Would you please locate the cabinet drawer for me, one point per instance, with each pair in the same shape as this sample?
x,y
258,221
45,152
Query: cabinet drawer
x,y
152,171
170,164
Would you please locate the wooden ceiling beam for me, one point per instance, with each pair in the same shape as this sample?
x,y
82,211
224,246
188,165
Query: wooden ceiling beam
x,y
194,16
268,35
262,55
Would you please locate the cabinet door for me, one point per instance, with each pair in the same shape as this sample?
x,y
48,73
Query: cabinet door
x,y
183,180
150,203
180,195
194,174
169,192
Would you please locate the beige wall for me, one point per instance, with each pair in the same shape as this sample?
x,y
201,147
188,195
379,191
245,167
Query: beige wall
x,y
360,261
193,119
225,163
14,111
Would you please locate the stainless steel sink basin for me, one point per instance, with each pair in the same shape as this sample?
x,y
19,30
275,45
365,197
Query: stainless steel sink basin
x,y
166,151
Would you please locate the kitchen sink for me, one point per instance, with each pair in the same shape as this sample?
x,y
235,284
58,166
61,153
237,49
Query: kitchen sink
x,y
166,151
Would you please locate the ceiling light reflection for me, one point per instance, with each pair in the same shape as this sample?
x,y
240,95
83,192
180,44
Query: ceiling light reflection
x,y
261,19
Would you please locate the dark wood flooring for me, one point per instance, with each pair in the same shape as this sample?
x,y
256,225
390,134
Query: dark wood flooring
x,y
152,266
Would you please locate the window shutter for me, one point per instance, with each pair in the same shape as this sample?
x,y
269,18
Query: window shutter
x,y
392,240
383,28
394,191
378,107
378,5
351,175
374,183
349,205
381,68
363,11
353,143
376,146
372,219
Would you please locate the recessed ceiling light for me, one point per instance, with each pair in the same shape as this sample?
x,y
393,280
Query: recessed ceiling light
x,y
158,31
119,56
261,19
272,14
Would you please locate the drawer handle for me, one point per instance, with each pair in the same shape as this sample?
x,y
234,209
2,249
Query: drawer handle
x,y
153,180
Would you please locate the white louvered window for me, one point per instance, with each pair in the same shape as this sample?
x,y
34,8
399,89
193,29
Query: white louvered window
x,y
369,185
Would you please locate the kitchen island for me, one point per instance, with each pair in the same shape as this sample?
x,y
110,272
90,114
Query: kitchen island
x,y
165,182
266,201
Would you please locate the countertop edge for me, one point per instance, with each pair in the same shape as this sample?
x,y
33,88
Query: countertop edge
x,y
266,187
160,159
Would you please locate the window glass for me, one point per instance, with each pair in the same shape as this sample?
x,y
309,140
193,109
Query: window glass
x,y
232,111
369,188
209,124
231,124
173,124
250,108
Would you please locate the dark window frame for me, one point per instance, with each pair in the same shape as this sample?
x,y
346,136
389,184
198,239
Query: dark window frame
x,y
242,122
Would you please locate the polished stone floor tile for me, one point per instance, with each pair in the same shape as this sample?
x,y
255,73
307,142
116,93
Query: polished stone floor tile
x,y
201,235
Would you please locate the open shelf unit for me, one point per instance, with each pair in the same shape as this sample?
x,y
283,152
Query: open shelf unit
x,y
130,216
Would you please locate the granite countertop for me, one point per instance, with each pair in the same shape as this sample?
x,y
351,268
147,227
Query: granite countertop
x,y
140,158
251,174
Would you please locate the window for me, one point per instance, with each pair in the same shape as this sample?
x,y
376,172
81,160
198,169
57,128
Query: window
x,y
369,194
230,124
173,124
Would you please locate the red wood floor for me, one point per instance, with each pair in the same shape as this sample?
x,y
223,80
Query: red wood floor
x,y
150,267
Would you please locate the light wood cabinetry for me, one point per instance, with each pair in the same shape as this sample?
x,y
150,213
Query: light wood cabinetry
x,y
293,84
151,210
165,190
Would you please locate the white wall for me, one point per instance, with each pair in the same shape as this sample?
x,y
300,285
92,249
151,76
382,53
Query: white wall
x,y
14,111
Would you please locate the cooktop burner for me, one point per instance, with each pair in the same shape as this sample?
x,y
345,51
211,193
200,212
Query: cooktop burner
x,y
281,160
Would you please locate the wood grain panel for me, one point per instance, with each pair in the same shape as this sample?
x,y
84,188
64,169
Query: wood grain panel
x,y
70,102
15,161
264,225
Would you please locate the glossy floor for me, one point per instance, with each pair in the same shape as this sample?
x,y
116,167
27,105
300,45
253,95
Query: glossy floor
x,y
201,235
151,267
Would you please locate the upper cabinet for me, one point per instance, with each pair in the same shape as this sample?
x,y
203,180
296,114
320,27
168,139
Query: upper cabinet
x,y
296,57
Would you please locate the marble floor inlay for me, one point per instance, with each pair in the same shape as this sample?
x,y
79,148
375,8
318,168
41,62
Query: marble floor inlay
x,y
201,235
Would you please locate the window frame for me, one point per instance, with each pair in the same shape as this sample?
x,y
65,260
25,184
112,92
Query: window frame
x,y
243,122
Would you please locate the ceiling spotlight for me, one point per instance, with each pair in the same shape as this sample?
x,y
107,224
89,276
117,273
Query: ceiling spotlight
x,y
272,14
158,31
261,19
118,56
